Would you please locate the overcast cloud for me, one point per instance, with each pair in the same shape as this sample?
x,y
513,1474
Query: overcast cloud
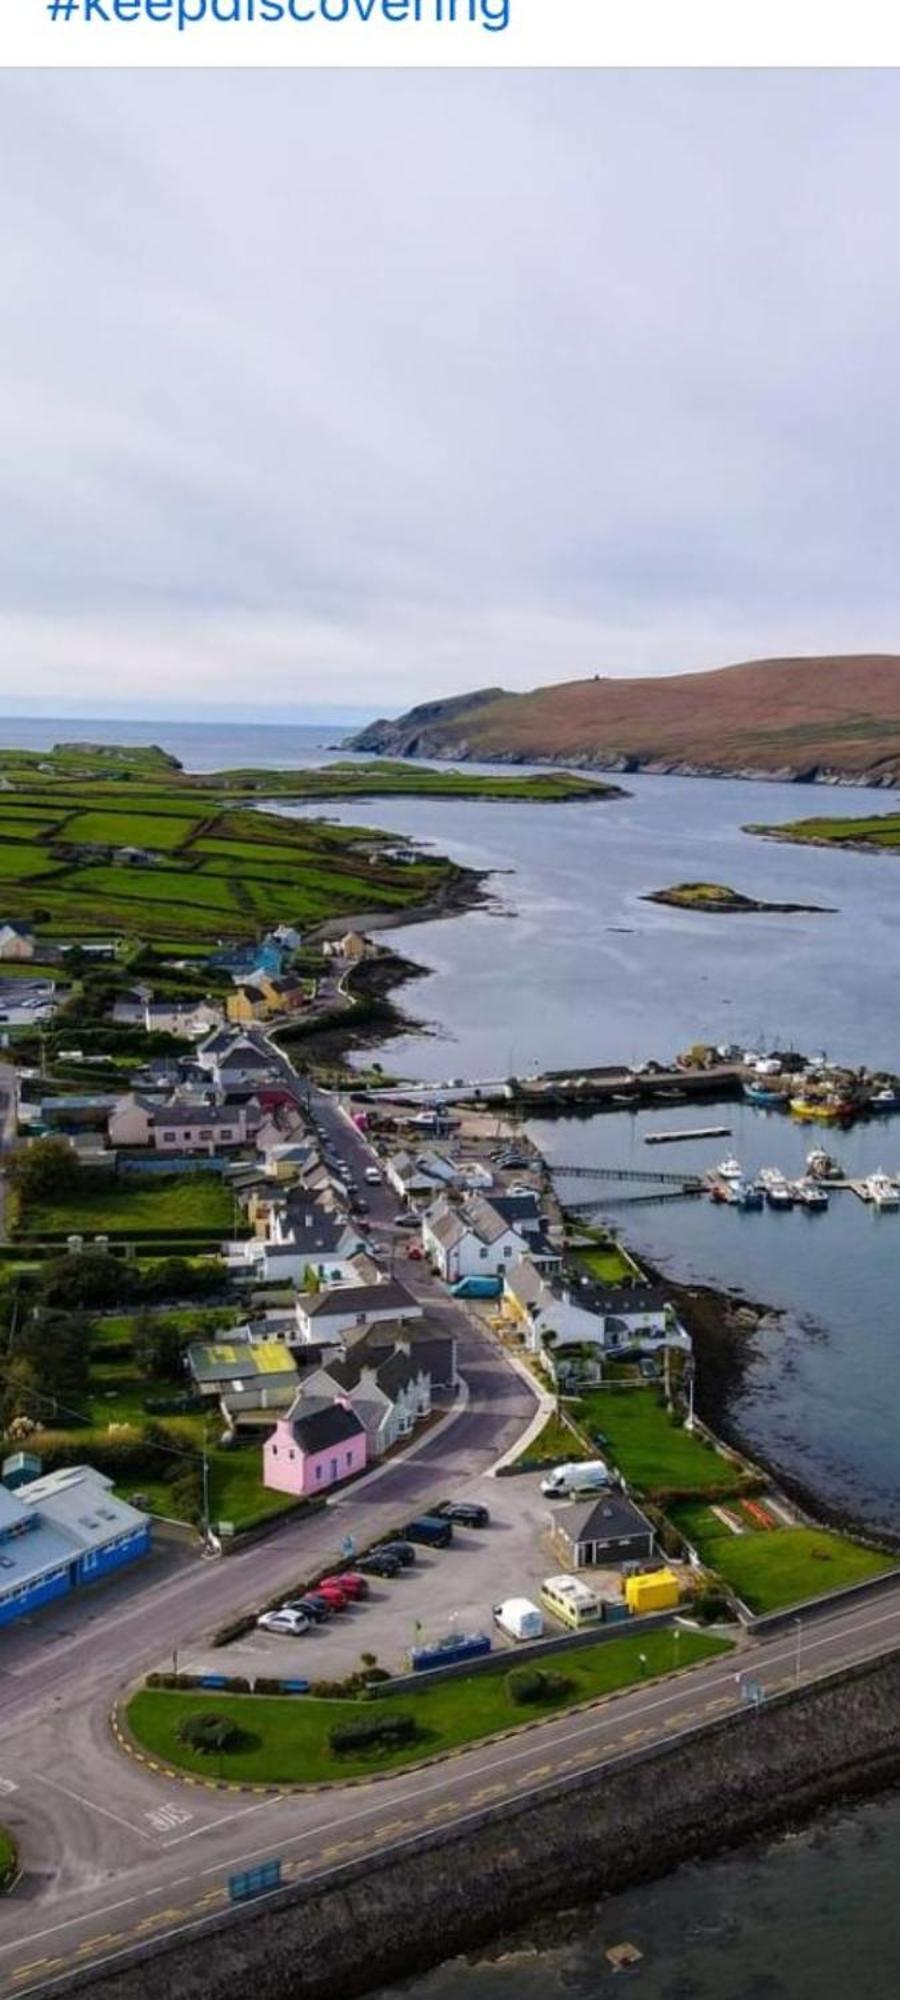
x,y
323,390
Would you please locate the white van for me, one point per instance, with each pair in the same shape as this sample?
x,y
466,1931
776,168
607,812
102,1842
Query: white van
x,y
519,1618
587,1477
373,1176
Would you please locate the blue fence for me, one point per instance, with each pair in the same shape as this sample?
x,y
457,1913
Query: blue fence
x,y
255,1882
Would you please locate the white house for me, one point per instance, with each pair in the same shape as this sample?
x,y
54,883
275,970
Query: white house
x,y
554,1316
181,1126
324,1318
472,1241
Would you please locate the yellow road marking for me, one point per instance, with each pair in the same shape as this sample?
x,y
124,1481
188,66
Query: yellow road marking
x,y
391,1827
487,1792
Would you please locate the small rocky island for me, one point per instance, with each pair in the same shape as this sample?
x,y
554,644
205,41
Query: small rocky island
x,y
716,898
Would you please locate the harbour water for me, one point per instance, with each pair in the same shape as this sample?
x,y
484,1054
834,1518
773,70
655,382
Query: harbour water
x,y
815,1917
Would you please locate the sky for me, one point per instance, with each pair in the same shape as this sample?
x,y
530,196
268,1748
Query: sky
x,y
326,393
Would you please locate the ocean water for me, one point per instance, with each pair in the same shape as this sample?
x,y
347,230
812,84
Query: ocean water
x,y
815,1917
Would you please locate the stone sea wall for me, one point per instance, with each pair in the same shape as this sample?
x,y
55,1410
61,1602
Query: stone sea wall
x,y
392,1917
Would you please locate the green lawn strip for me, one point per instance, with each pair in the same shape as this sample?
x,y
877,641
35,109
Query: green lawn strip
x,y
609,1264
771,1568
169,1203
19,859
9,1858
290,1734
653,1452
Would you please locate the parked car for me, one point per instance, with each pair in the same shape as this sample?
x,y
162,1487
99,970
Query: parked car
x,y
466,1513
432,1530
334,1595
585,1476
350,1582
373,1176
402,1552
287,1620
380,1563
406,1221
315,1608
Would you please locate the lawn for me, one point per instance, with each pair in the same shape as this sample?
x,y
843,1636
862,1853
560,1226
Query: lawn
x,y
654,1453
8,1858
172,1204
607,1262
771,1568
289,1735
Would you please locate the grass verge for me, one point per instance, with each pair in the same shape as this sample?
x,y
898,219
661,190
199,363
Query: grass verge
x,y
286,1737
9,1859
653,1451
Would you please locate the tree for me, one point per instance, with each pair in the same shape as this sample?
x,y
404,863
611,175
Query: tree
x,y
44,1170
158,1347
88,1280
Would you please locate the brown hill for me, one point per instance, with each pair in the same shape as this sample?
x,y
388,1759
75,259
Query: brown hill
x,y
835,716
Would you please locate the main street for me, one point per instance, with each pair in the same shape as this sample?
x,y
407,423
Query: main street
x,y
118,1857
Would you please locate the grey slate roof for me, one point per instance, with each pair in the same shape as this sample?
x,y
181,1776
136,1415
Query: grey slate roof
x,y
608,1517
321,1428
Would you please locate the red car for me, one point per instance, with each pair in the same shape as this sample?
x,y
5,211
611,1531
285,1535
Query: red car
x,y
333,1594
348,1585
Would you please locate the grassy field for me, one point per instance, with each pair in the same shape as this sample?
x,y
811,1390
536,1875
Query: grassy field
x,y
875,830
555,1442
225,867
288,1737
772,1568
167,1203
654,1453
8,1858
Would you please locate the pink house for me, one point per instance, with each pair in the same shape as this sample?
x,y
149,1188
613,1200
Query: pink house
x,y
315,1446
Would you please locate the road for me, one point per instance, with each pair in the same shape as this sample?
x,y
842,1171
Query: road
x,y
118,1857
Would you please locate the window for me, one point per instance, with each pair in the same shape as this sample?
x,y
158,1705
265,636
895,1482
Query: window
x,y
227,1135
168,1138
318,1471
482,1253
274,1451
349,1458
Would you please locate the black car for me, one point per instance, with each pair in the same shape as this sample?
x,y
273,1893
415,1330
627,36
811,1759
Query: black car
x,y
317,1608
467,1513
379,1563
403,1552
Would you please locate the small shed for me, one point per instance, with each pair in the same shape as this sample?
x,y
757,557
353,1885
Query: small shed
x,y
607,1529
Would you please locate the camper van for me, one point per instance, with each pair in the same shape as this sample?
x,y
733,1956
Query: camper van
x,y
567,1479
570,1600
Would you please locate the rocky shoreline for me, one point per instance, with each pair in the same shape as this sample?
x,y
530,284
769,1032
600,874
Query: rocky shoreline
x,y
418,746
730,903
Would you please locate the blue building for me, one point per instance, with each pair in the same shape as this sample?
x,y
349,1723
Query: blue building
x,y
60,1531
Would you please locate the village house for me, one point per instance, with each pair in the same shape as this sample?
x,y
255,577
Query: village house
x,y
183,1125
572,1326
316,1446
241,961
265,997
474,1240
351,948
325,1318
295,1243
234,1060
17,941
389,1390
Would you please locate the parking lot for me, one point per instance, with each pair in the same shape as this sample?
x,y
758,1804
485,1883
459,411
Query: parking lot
x,y
448,1590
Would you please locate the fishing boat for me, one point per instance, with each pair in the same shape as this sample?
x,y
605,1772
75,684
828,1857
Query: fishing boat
x,y
825,1109
730,1170
822,1166
882,1190
885,1100
777,1190
748,1195
812,1195
764,1097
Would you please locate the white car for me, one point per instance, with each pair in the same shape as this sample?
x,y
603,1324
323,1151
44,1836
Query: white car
x,y
291,1622
373,1176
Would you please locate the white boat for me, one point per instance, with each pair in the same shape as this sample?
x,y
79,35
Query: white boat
x,y
882,1190
777,1190
812,1195
822,1166
730,1170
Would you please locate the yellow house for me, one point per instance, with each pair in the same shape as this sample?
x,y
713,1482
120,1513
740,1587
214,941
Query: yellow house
x,y
247,1004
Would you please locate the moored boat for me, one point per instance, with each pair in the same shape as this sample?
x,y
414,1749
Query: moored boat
x,y
822,1166
882,1190
764,1097
812,1195
825,1109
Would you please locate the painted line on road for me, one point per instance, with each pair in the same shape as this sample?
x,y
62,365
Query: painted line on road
x,y
92,1805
